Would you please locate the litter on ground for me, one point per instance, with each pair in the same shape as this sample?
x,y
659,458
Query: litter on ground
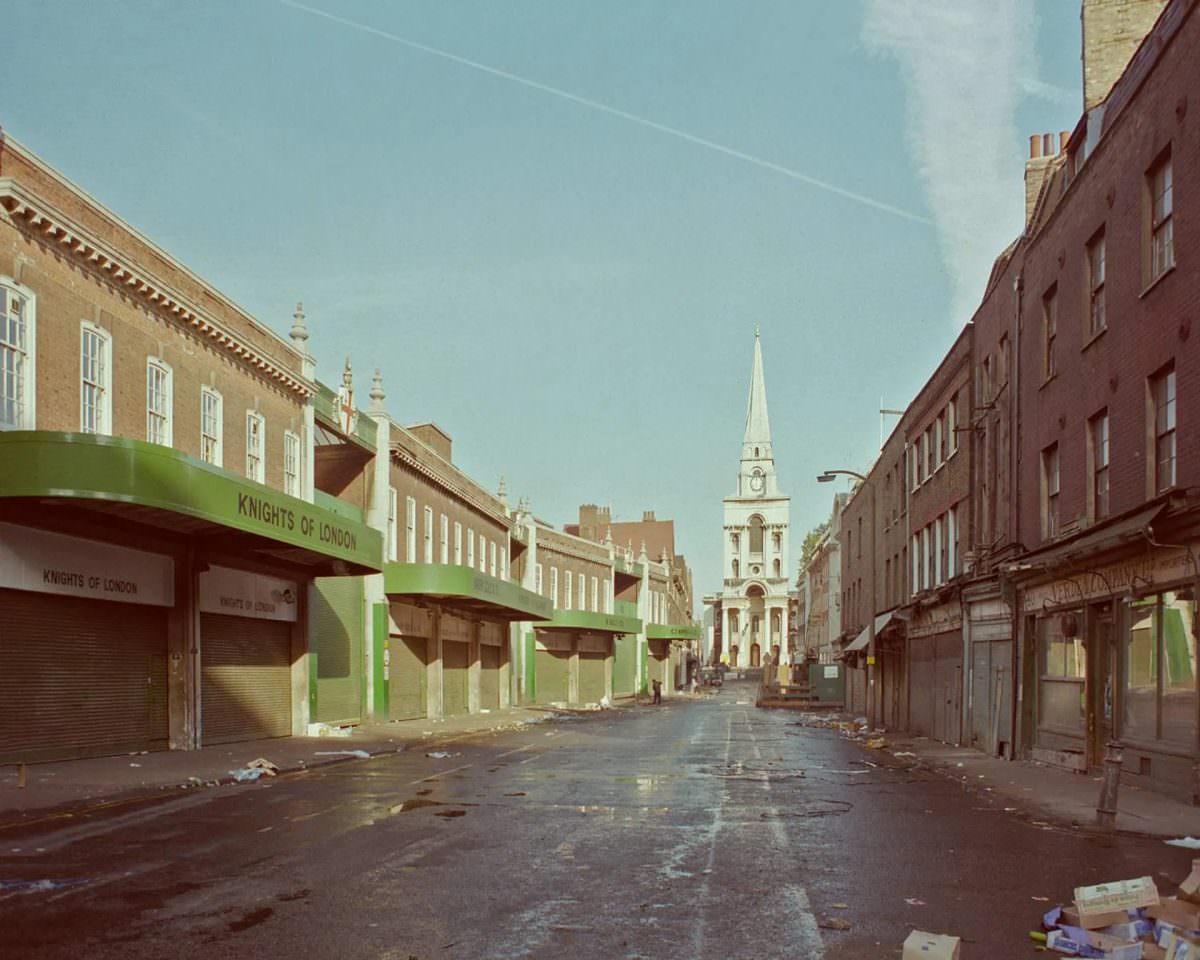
x,y
361,754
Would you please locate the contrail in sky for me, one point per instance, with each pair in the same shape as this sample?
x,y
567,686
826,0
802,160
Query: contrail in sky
x,y
616,112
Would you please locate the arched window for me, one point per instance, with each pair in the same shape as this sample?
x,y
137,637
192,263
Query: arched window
x,y
776,568
756,534
735,569
756,451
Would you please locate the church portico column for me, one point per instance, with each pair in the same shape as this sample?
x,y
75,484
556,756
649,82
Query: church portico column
x,y
784,655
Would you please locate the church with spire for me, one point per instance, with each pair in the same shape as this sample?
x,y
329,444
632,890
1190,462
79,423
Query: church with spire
x,y
754,596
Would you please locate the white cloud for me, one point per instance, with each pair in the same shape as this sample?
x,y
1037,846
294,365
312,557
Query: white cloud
x,y
963,64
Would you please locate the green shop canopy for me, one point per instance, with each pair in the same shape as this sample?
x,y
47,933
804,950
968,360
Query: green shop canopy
x,y
465,589
591,622
164,488
665,631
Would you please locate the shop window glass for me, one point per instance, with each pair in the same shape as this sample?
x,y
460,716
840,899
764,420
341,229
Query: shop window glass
x,y
1179,668
1061,704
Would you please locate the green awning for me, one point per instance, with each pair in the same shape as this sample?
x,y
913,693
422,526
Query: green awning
x,y
162,487
666,631
591,622
464,588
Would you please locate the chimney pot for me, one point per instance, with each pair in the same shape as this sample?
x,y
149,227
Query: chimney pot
x,y
1035,147
1047,144
1063,137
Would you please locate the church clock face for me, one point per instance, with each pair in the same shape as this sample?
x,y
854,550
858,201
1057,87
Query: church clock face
x,y
756,482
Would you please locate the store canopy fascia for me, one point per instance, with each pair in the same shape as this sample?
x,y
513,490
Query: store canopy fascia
x,y
163,487
666,631
465,589
590,622
1112,535
864,638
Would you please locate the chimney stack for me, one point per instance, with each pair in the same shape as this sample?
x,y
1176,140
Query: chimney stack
x,y
1039,165
1112,32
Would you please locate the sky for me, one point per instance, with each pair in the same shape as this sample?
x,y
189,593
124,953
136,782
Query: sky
x,y
554,225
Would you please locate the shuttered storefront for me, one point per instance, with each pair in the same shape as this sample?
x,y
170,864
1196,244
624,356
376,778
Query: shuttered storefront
x,y
553,675
406,661
336,640
80,677
245,678
591,677
624,665
659,662
935,663
454,677
491,657
489,677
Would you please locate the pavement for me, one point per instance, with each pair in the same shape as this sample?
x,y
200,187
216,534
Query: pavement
x,y
60,787
702,829
1037,789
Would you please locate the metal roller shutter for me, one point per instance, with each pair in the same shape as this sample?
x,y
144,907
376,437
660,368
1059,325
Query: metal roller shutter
x,y
246,679
489,677
624,666
922,686
553,675
406,677
591,677
455,657
80,677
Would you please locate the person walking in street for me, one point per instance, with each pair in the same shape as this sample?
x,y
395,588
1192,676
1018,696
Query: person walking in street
x,y
656,685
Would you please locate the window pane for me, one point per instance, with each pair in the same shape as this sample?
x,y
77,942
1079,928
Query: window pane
x,y
1062,656
1179,662
1141,673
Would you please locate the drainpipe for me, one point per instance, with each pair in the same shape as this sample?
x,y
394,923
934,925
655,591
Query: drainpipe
x,y
1016,691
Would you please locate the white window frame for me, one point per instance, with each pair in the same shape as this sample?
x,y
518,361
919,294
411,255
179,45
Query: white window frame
x,y
608,597
393,522
595,594
159,422
444,538
554,587
482,553
937,443
292,452
938,580
492,551
427,553
256,467
951,425
504,561
410,530
457,544
568,589
582,591
217,437
470,548
538,582
101,382
23,346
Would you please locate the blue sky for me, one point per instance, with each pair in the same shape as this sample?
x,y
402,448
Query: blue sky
x,y
568,292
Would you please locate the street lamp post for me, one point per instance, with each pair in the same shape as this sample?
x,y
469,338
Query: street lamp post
x,y
826,477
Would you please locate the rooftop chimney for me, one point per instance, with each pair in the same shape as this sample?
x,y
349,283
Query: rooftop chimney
x,y
1112,32
1037,167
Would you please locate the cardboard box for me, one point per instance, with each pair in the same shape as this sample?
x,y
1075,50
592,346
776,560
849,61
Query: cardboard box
x,y
1130,929
1181,913
1097,921
920,945
1182,948
1117,895
1152,951
1190,888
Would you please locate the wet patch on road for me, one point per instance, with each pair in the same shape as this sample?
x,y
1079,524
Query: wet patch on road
x,y
251,919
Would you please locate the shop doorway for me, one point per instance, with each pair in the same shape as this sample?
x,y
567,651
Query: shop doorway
x,y
1102,672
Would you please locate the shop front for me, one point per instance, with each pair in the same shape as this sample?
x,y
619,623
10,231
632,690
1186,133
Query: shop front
x,y
668,652
445,652
935,671
574,656
1110,654
149,601
991,666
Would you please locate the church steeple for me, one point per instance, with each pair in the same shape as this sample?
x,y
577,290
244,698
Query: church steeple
x,y
758,425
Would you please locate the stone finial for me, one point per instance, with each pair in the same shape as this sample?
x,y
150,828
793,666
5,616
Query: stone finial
x,y
299,332
377,395
347,374
608,540
502,491
642,557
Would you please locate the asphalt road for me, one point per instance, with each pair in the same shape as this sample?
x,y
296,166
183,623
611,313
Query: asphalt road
x,y
698,829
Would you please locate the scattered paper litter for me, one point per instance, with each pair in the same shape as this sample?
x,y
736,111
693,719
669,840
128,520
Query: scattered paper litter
x,y
903,753
438,755
914,902
833,923
361,754
1190,843
246,775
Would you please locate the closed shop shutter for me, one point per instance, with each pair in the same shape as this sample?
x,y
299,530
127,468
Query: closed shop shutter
x,y
553,675
923,685
947,725
245,679
454,677
591,677
406,677
80,677
624,666
991,685
336,638
489,677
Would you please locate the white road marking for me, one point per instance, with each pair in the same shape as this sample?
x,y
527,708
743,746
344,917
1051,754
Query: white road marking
x,y
440,773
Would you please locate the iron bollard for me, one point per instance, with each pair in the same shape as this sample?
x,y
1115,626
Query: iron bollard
x,y
1106,809
21,777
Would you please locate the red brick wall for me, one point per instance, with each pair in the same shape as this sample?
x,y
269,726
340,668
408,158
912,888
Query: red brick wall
x,y
1147,327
